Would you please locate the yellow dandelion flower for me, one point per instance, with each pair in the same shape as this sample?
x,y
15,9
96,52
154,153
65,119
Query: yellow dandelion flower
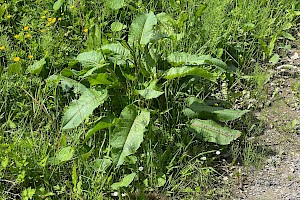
x,y
28,35
17,59
26,28
49,19
86,30
8,16
16,36
43,31
2,47
53,20
216,104
48,24
30,56
43,17
59,19
72,7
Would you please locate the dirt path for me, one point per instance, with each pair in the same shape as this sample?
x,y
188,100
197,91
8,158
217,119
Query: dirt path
x,y
280,176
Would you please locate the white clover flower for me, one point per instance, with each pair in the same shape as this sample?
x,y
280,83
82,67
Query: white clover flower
x,y
141,168
115,194
218,152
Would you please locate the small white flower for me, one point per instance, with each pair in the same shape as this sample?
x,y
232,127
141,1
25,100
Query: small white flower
x,y
141,168
115,194
225,178
123,195
218,152
203,158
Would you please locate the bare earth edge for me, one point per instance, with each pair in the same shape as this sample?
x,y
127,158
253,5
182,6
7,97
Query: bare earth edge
x,y
279,178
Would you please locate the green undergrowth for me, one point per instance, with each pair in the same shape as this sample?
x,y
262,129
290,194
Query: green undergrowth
x,y
130,99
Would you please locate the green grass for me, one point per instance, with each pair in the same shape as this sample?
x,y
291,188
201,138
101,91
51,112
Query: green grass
x,y
41,160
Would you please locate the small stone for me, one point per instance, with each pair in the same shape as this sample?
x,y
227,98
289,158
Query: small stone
x,y
295,56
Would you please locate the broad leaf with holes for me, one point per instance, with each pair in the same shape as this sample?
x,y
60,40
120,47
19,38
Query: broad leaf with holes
x,y
211,131
83,107
128,133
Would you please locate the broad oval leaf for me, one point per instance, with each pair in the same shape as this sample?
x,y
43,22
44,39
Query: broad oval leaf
x,y
141,29
116,48
37,67
100,165
211,131
197,108
166,23
182,58
166,20
90,59
128,133
274,59
176,72
115,4
58,4
85,73
105,79
149,93
68,83
222,66
100,79
161,179
117,26
83,107
14,68
125,182
105,122
63,155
